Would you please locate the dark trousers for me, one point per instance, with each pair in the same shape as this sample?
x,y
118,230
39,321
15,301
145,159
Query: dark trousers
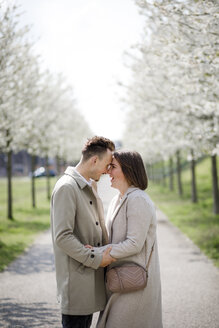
x,y
76,321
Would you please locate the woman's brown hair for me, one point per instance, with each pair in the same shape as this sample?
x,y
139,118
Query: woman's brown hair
x,y
132,167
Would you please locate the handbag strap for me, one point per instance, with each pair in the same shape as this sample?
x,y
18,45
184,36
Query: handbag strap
x,y
147,266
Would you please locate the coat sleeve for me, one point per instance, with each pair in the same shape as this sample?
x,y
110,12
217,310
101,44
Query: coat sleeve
x,y
64,210
139,218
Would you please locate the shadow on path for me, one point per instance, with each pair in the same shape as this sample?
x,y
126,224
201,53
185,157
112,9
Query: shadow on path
x,y
27,315
38,259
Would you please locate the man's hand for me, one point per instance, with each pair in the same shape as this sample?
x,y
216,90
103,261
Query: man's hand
x,y
88,246
107,258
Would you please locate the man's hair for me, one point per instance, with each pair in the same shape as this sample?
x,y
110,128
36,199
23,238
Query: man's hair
x,y
96,146
133,168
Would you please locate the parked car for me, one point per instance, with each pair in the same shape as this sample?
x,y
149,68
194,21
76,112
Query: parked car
x,y
41,172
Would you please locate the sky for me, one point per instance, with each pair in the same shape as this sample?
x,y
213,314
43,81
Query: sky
x,y
86,40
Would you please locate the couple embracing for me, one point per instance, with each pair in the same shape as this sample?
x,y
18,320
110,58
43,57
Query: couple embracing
x,y
87,247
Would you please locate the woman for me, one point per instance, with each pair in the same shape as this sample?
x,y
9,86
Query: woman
x,y
131,224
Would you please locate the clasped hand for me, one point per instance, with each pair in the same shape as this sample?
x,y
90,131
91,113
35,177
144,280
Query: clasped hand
x,y
107,258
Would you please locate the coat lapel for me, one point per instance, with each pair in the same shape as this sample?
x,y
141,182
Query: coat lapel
x,y
82,184
105,239
74,174
118,207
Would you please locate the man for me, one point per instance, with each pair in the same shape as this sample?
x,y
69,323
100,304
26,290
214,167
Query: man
x,y
76,221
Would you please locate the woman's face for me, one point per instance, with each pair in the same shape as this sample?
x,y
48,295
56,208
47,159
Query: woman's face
x,y
118,179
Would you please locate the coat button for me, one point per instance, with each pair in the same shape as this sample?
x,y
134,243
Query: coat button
x,y
98,244
91,202
92,250
92,255
97,223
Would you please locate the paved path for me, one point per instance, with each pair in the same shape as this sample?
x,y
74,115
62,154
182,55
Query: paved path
x,y
190,283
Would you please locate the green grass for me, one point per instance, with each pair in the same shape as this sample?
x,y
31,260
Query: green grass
x,y
197,221
18,234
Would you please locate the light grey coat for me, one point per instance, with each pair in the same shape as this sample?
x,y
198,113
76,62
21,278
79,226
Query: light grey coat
x,y
76,221
131,225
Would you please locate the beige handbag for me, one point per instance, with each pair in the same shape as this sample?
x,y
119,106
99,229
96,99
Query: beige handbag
x,y
128,277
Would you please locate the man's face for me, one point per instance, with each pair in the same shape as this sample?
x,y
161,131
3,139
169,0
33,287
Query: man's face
x,y
101,165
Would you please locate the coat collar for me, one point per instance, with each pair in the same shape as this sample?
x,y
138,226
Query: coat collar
x,y
128,191
74,174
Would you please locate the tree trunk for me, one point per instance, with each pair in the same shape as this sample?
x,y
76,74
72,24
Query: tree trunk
x,y
47,178
58,165
179,181
194,196
9,177
215,184
147,168
171,186
33,161
163,174
151,172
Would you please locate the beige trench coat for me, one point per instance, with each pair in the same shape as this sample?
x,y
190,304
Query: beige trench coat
x,y
76,220
131,225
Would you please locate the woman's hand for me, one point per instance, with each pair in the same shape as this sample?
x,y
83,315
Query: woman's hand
x,y
107,258
88,246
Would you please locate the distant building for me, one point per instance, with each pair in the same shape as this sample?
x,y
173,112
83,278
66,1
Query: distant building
x,y
21,164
